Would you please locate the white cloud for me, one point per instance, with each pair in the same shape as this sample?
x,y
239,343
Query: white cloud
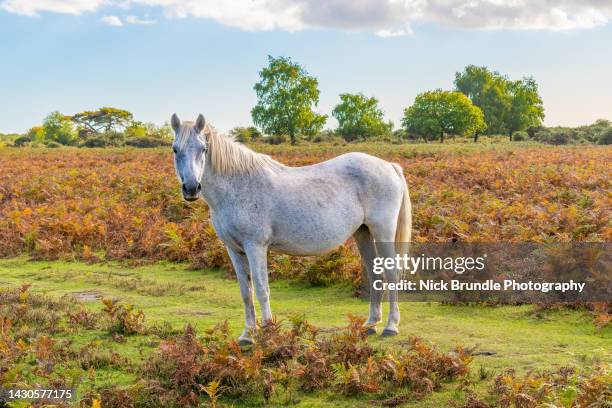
x,y
112,21
251,15
137,20
384,17
33,7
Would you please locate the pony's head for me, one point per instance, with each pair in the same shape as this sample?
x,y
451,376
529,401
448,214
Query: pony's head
x,y
190,148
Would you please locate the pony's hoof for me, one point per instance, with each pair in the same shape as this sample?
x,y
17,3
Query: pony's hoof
x,y
370,331
245,341
388,333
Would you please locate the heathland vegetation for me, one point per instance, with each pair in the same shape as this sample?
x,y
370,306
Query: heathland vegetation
x,y
483,102
91,216
123,204
109,230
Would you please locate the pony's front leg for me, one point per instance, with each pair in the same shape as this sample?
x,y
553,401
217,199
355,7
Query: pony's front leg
x,y
243,273
258,263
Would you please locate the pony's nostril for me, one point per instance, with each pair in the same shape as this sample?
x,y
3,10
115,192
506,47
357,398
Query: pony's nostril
x,y
191,189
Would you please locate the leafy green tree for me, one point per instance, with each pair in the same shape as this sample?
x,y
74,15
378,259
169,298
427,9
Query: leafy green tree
x,y
359,117
103,120
245,134
139,129
489,91
36,134
286,95
163,132
526,108
136,129
435,113
59,128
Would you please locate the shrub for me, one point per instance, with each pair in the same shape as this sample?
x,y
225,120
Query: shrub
x,y
83,318
562,137
22,141
520,136
561,388
106,139
533,130
542,135
276,139
605,138
91,357
147,142
245,134
336,267
327,135
295,359
114,138
95,141
123,318
52,144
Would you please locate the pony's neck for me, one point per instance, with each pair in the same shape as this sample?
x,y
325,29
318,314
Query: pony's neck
x,y
231,166
228,157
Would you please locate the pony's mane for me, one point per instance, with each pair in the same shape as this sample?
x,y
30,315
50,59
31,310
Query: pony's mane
x,y
226,155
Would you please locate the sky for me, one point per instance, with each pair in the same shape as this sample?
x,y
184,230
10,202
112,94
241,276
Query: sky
x,y
157,57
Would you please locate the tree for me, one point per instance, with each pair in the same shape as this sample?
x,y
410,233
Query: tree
x,y
36,134
245,134
359,117
489,91
137,129
103,120
605,138
163,132
59,128
435,113
285,97
526,109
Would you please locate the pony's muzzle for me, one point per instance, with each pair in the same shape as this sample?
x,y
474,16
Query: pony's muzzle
x,y
191,191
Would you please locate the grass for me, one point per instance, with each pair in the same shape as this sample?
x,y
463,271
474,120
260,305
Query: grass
x,y
506,336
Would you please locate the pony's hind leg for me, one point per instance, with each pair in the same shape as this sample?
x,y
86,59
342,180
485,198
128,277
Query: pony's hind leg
x,y
243,273
385,247
367,250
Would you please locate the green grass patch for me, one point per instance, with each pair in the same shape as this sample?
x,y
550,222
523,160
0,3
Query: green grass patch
x,y
503,337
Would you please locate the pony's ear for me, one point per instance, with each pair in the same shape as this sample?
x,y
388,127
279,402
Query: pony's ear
x,y
175,122
200,122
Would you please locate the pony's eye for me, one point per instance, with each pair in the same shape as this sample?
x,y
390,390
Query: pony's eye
x,y
174,149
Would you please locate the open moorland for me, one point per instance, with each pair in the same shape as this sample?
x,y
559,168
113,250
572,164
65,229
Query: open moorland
x,y
112,284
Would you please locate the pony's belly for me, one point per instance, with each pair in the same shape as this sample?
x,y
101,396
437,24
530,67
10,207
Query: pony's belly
x,y
313,240
304,249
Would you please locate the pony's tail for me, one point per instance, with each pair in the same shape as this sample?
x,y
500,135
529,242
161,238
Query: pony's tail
x,y
403,229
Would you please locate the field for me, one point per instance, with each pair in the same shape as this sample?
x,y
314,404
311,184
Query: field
x,y
125,204
110,224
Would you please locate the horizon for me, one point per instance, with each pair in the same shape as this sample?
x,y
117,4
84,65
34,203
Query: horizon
x,y
155,57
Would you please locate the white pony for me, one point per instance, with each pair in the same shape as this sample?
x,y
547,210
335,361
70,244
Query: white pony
x,y
258,204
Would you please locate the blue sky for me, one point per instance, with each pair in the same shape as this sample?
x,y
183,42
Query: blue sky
x,y
163,60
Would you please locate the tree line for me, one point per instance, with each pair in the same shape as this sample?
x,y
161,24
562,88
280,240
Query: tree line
x,y
103,127
482,102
